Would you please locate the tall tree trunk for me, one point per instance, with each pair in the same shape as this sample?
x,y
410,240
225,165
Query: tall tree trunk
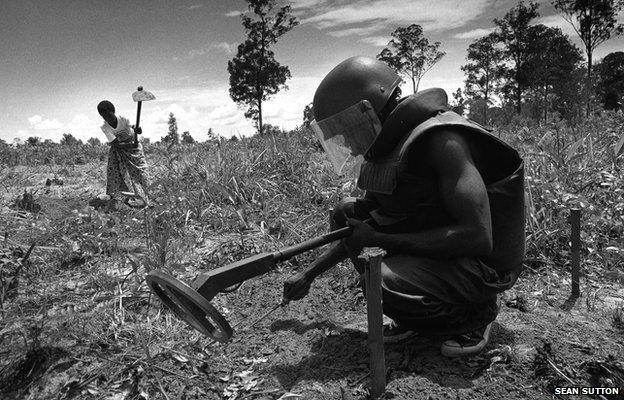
x,y
485,106
487,96
260,116
589,82
260,87
518,90
545,102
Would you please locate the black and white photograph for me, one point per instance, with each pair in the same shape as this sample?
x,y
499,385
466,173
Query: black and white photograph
x,y
311,199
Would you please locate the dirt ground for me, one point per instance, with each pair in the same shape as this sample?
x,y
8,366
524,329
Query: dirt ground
x,y
78,322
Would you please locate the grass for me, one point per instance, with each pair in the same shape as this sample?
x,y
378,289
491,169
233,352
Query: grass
x,y
82,287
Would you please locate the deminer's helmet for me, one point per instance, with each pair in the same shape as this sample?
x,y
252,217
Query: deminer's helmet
x,y
353,80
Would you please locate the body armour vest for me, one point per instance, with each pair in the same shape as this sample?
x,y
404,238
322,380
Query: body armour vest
x,y
411,200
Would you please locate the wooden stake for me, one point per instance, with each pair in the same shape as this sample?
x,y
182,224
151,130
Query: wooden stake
x,y
575,221
372,257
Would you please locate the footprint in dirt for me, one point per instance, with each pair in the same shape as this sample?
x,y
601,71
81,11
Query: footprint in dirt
x,y
343,354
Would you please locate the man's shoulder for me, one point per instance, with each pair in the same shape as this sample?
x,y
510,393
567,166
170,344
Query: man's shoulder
x,y
446,147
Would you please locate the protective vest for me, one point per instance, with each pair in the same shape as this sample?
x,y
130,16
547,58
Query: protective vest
x,y
413,199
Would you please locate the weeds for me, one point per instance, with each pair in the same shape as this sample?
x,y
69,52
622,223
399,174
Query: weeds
x,y
218,202
617,318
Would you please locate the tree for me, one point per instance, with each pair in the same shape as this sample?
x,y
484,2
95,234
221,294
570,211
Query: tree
x,y
212,136
410,54
484,70
94,141
610,85
33,141
272,130
187,138
476,108
255,75
172,131
513,32
459,102
594,21
551,60
69,140
308,115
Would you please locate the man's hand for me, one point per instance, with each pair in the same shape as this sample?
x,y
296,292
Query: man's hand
x,y
296,287
138,130
363,236
342,211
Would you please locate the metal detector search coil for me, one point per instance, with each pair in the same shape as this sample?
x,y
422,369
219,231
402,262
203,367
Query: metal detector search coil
x,y
188,305
192,303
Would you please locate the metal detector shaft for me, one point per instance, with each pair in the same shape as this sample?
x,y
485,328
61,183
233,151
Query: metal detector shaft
x,y
212,282
294,250
192,304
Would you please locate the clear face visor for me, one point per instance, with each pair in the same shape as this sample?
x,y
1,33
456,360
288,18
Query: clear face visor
x,y
346,136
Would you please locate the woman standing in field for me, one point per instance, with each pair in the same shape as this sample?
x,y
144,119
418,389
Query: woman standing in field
x,y
126,170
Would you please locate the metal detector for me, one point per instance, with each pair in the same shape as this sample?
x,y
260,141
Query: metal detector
x,y
192,303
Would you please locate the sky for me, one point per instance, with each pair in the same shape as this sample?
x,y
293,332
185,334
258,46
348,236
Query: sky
x,y
60,58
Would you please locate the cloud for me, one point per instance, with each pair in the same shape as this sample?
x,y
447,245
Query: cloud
x,y
35,119
299,4
443,14
195,53
380,41
38,123
23,134
557,21
474,34
355,31
82,126
233,13
196,110
226,47
195,6
199,108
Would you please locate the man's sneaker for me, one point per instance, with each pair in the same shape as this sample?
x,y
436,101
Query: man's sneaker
x,y
393,333
469,344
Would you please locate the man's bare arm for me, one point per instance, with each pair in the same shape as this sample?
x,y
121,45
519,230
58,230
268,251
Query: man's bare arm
x,y
464,198
298,285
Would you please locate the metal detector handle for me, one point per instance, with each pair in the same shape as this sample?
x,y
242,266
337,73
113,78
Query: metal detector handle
x,y
289,252
214,281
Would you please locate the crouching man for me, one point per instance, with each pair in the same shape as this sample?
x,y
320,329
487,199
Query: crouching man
x,y
443,197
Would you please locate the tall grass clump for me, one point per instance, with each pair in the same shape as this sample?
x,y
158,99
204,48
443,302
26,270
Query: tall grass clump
x,y
573,166
280,186
51,154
